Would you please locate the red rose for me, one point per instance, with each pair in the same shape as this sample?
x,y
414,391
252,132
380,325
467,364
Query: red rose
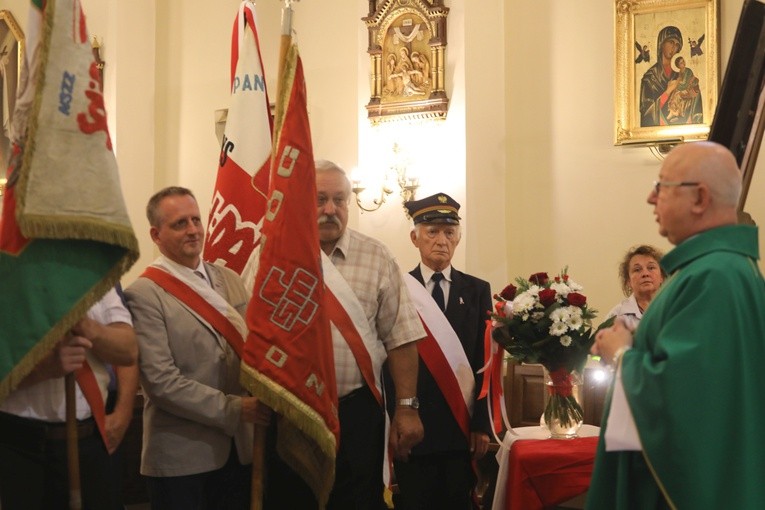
x,y
508,293
539,278
576,299
547,296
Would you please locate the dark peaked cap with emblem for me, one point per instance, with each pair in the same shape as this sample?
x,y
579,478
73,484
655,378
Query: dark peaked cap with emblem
x,y
438,208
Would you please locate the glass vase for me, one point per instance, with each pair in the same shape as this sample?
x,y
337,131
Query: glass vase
x,y
563,413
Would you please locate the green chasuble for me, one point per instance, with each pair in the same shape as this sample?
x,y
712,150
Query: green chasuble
x,y
693,381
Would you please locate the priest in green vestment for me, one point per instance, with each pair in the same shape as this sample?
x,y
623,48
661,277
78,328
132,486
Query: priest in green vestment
x,y
683,424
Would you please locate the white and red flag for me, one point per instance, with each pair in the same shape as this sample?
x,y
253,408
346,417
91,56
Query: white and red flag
x,y
288,359
241,188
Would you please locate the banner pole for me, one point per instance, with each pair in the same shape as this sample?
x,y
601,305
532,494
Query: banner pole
x,y
259,439
72,447
286,41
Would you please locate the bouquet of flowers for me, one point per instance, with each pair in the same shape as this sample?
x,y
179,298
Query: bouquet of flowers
x,y
546,320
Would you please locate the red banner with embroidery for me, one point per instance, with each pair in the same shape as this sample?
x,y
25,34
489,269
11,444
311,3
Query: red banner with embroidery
x,y
288,357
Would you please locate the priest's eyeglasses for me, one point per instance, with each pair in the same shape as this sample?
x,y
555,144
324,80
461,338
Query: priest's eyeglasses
x,y
657,185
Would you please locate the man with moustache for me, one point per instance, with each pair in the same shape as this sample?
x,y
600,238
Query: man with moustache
x,y
388,326
454,306
189,320
681,426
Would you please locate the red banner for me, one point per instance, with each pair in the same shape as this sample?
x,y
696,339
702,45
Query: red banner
x,y
288,359
239,199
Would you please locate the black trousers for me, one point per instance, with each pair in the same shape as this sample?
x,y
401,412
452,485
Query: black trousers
x,y
227,488
442,480
33,466
358,473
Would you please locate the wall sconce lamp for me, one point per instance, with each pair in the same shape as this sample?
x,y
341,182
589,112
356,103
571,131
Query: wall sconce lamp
x,y
396,172
3,183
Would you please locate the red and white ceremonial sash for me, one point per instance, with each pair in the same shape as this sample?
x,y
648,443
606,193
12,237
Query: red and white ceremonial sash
x,y
189,297
241,188
88,383
443,354
347,315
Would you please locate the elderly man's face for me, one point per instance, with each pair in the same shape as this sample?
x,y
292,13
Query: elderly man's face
x,y
333,193
436,242
672,203
180,233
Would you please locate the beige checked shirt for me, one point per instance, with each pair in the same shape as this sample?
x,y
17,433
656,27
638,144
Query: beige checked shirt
x,y
373,274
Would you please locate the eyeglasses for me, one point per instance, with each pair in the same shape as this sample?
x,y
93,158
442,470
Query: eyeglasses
x,y
670,184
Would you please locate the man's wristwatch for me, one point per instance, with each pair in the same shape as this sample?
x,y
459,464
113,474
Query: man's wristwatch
x,y
413,402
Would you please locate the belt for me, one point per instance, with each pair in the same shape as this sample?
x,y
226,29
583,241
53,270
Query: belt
x,y
354,393
19,426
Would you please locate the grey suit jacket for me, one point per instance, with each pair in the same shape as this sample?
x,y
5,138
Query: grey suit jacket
x,y
190,381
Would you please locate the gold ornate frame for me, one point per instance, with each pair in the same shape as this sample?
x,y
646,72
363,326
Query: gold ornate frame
x,y
643,114
407,51
11,54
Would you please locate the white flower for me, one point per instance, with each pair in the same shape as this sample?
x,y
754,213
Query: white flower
x,y
558,328
523,303
565,340
561,289
575,287
575,322
537,316
560,314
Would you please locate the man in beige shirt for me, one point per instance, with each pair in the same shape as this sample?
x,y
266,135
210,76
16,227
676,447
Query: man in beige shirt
x,y
374,277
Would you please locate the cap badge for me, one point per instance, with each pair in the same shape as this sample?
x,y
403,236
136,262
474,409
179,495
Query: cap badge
x,y
442,199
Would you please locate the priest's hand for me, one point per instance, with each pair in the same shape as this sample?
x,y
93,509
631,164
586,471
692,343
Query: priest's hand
x,y
405,432
609,341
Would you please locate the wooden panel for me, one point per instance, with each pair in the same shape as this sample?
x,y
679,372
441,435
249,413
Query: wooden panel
x,y
525,394
594,391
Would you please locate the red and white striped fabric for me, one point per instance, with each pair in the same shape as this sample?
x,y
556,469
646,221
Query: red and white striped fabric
x,y
241,188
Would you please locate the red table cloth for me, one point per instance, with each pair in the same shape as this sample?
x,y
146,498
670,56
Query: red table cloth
x,y
546,472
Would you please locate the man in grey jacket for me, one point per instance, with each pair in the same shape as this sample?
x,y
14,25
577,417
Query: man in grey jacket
x,y
189,320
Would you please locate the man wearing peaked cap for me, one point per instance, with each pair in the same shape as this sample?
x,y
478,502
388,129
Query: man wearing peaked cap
x,y
438,208
454,307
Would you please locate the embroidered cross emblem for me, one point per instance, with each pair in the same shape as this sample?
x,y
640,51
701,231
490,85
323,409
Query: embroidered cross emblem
x,y
296,303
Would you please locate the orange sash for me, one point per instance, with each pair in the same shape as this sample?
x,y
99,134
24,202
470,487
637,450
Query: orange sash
x,y
86,380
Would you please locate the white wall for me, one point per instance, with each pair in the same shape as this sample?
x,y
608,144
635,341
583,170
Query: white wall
x,y
527,147
572,198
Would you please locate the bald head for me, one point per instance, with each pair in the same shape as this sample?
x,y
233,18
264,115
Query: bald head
x,y
712,164
707,195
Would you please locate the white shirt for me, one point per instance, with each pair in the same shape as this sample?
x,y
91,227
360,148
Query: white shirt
x,y
446,283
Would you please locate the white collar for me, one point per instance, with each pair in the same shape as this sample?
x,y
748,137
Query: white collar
x,y
187,271
427,273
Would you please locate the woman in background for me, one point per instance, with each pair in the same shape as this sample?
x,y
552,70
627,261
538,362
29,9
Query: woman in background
x,y
641,276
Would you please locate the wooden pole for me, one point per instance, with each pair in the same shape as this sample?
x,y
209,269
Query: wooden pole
x,y
259,439
258,467
72,447
286,41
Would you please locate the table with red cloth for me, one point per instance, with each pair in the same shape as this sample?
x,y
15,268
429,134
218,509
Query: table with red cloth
x,y
542,473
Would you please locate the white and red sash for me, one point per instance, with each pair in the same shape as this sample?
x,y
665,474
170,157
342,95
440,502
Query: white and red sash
x,y
442,353
350,321
201,300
